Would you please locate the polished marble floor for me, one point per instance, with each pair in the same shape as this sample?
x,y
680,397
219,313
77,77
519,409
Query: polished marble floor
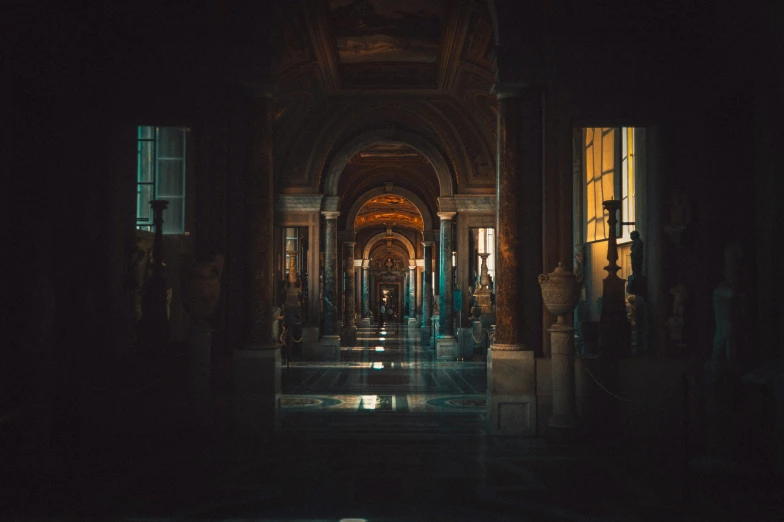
x,y
387,433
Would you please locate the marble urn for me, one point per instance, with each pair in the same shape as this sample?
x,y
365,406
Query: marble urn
x,y
560,291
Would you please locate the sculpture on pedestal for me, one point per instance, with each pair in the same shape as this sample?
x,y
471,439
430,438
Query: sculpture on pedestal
x,y
636,282
483,292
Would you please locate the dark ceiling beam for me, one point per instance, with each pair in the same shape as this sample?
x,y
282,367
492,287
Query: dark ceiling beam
x,y
320,28
455,29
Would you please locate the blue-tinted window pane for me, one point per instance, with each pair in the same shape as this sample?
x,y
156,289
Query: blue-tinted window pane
x,y
173,222
171,178
170,142
143,197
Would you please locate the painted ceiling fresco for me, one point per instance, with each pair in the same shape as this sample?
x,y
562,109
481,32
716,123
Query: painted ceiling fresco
x,y
389,210
387,30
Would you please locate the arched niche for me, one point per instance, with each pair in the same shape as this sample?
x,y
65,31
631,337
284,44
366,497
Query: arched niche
x,y
427,218
343,155
384,236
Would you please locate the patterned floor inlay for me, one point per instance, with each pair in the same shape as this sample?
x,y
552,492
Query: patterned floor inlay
x,y
447,404
332,402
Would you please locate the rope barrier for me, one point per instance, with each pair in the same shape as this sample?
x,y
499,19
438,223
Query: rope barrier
x,y
605,389
481,337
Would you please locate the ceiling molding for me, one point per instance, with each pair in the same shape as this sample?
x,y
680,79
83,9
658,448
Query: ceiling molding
x,y
319,26
452,41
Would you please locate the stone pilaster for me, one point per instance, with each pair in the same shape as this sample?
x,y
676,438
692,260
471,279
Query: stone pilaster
x,y
427,292
412,295
446,342
365,294
260,223
329,320
349,327
511,362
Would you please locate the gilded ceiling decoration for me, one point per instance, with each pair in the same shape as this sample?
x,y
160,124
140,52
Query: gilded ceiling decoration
x,y
389,210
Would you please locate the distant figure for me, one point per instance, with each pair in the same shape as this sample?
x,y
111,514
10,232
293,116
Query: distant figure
x,y
382,313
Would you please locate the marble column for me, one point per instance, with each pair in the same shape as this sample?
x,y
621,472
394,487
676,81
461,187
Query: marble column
x,y
365,294
511,365
260,227
329,320
412,295
427,292
446,342
349,326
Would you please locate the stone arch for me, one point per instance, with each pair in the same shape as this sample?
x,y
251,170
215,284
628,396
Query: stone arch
x,y
395,248
382,236
427,218
341,157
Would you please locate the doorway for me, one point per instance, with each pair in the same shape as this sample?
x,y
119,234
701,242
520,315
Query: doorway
x,y
389,296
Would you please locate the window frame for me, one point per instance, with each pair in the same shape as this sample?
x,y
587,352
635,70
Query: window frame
x,y
149,176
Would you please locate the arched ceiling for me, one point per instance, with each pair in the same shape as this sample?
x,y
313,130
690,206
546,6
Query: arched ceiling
x,y
398,44
389,210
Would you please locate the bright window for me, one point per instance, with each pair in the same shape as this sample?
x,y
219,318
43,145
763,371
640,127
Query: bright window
x,y
486,245
161,173
609,174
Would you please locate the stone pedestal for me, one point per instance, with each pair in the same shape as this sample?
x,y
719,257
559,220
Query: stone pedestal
x,y
365,322
564,425
511,391
256,398
327,349
446,347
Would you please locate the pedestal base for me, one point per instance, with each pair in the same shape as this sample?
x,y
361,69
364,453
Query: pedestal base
x,y
365,322
511,391
413,323
564,431
446,347
348,336
327,349
426,334
256,398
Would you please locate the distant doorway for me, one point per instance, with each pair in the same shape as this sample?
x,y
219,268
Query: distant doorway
x,y
389,296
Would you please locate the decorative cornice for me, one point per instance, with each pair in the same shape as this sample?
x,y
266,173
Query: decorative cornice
x,y
447,204
330,203
475,203
298,202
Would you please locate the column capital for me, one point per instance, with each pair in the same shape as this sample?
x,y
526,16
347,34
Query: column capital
x,y
351,244
329,214
428,243
446,215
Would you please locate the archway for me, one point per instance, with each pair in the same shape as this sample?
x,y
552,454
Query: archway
x,y
352,147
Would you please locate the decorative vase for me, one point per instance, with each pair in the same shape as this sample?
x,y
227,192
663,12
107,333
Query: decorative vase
x,y
560,292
